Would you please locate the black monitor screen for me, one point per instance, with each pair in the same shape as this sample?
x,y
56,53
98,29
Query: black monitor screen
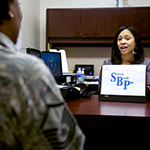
x,y
34,52
89,69
53,61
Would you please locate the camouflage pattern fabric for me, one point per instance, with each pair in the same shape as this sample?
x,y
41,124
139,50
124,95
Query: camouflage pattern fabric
x,y
33,113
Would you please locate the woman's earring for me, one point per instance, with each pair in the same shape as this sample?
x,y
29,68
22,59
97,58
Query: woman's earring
x,y
12,15
135,50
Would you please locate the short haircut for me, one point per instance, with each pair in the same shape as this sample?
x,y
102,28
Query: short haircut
x,y
4,8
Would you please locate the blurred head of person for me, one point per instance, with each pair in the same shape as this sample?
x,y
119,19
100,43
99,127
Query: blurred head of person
x,y
127,46
10,18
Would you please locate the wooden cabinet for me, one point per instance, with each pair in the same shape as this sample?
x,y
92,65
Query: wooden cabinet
x,y
94,26
136,17
63,23
96,23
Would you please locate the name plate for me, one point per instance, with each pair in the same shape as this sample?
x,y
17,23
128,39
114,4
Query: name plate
x,y
123,80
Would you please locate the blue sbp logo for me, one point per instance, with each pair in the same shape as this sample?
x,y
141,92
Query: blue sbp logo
x,y
120,80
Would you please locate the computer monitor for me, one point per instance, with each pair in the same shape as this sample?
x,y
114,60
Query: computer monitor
x,y
53,61
34,52
89,69
64,62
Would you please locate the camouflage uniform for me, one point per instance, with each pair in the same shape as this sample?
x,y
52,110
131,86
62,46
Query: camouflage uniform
x,y
33,113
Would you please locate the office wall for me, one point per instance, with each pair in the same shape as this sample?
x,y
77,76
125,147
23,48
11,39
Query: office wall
x,y
30,26
34,28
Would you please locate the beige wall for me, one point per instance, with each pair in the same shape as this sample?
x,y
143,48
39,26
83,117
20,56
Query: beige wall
x,y
34,28
89,55
30,26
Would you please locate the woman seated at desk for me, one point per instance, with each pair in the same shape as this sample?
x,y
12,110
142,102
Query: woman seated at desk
x,y
127,49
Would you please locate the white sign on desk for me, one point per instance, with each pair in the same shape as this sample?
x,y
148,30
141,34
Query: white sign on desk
x,y
129,80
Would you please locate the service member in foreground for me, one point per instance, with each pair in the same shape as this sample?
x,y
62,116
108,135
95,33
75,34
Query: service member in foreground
x,y
33,113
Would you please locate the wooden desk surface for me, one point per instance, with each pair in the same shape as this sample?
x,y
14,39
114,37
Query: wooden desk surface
x,y
105,124
92,106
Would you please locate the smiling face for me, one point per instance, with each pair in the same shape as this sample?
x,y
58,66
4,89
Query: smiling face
x,y
126,42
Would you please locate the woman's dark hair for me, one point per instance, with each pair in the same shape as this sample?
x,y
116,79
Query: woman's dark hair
x,y
4,8
115,53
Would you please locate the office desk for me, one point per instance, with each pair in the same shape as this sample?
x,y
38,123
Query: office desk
x,y
111,124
